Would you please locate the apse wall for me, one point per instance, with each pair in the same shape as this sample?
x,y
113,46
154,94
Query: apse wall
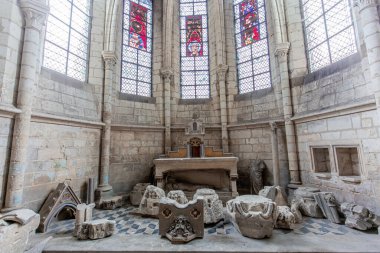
x,y
334,110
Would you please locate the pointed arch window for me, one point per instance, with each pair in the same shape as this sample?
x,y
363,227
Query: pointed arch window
x,y
195,73
66,47
252,50
329,31
136,62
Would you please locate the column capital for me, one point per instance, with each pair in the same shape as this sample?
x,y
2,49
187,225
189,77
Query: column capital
x,y
363,4
222,71
109,58
282,50
35,13
166,73
273,126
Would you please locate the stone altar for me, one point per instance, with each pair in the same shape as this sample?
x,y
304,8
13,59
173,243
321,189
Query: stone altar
x,y
228,165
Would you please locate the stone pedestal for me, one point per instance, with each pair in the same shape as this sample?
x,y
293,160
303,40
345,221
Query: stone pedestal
x,y
181,223
253,216
213,207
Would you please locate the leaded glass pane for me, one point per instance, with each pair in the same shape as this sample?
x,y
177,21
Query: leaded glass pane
x,y
329,31
136,70
195,76
67,38
252,50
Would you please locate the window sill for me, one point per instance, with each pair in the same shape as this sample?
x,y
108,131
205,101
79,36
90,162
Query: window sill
x,y
254,94
137,98
332,68
61,78
201,101
323,176
351,179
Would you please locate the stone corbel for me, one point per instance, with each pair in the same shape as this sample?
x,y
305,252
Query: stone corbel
x,y
35,13
167,74
222,72
273,126
282,51
109,58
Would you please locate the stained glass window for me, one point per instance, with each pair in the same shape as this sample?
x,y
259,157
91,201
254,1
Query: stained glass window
x,y
252,49
195,76
329,31
136,66
67,38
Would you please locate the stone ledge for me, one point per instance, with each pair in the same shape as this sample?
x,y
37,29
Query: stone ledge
x,y
61,78
8,110
201,101
254,94
59,120
333,68
341,110
256,124
137,128
351,179
137,98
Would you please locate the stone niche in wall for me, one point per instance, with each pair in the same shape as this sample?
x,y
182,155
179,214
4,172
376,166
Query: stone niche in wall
x,y
348,161
321,160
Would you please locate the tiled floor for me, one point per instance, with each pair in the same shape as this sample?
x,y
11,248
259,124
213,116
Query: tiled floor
x,y
128,223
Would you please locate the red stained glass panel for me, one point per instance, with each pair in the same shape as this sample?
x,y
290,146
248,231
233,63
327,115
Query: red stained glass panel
x,y
194,41
137,26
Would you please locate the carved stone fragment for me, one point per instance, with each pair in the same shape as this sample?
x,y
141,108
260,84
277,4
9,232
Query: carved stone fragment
x,y
63,197
14,235
110,203
178,196
212,205
295,208
328,205
149,204
307,204
181,223
137,193
95,229
252,215
256,175
285,218
275,194
83,214
359,217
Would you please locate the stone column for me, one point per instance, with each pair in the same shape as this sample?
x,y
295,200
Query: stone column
x,y
222,71
166,71
109,58
282,55
275,158
371,30
167,75
35,13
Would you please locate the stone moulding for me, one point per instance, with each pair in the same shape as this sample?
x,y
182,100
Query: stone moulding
x,y
359,217
181,223
62,197
328,205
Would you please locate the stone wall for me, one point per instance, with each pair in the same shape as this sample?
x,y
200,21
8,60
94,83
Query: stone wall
x,y
132,154
56,153
254,142
6,125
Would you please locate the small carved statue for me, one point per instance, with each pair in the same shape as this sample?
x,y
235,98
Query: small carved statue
x,y
256,175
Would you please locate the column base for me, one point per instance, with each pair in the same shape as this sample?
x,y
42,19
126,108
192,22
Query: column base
x,y
106,199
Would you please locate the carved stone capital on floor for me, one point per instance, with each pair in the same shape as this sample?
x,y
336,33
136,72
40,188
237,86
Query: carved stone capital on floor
x,y
222,72
166,73
282,51
109,58
363,4
35,13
